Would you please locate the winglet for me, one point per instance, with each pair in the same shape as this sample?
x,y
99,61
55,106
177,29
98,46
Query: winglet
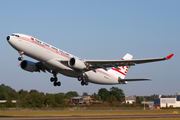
x,y
169,57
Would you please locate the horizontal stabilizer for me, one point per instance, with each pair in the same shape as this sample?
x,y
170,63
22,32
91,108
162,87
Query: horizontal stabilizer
x,y
137,79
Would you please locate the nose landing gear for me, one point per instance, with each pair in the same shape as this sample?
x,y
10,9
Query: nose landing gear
x,y
55,80
20,53
20,58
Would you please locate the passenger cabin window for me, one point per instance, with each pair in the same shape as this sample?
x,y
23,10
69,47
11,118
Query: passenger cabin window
x,y
46,44
54,48
38,41
67,54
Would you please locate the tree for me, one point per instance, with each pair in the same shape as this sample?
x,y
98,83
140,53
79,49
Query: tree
x,y
22,99
8,91
138,100
59,98
85,94
33,91
23,94
104,94
35,100
71,94
118,93
2,96
9,102
112,99
62,93
96,97
49,100
149,98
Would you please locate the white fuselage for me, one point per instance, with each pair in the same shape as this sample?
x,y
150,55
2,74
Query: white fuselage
x,y
50,56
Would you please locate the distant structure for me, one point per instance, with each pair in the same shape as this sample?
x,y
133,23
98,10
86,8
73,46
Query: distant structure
x,y
130,99
85,100
4,101
167,101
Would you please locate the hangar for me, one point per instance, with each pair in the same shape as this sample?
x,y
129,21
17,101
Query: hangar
x,y
167,101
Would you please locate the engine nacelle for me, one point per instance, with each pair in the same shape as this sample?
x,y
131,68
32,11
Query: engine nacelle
x,y
28,66
77,64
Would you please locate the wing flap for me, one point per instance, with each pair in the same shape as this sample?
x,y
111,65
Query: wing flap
x,y
137,79
42,67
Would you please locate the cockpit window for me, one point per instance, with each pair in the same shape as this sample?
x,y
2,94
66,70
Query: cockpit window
x,y
15,35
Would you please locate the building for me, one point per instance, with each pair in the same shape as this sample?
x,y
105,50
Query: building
x,y
4,101
81,100
167,101
130,99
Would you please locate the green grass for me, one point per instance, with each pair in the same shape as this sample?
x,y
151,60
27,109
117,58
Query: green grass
x,y
136,119
82,112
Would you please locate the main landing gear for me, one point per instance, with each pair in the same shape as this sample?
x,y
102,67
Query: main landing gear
x,y
83,80
55,80
20,53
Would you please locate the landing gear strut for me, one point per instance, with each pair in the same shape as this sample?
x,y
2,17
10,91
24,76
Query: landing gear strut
x,y
55,80
20,53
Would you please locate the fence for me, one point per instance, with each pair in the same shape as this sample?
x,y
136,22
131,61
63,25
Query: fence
x,y
79,108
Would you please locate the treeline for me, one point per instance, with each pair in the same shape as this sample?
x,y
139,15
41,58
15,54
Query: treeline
x,y
149,98
114,95
33,98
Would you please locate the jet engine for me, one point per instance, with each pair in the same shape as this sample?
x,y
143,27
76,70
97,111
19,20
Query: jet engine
x,y
28,66
76,63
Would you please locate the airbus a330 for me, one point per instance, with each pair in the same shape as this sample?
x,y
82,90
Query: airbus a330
x,y
54,60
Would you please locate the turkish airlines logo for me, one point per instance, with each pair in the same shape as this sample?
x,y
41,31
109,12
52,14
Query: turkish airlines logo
x,y
123,70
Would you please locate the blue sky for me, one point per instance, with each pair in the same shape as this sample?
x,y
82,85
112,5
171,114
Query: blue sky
x,y
103,29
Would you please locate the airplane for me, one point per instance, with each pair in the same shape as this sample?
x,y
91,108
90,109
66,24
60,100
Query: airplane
x,y
54,60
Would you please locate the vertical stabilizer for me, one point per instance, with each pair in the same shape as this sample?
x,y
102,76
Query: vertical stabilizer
x,y
122,70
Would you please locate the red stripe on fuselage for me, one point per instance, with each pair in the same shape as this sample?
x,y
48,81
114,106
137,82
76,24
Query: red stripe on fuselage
x,y
48,48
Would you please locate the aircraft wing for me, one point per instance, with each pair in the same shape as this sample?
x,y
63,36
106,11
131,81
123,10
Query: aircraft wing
x,y
93,64
42,67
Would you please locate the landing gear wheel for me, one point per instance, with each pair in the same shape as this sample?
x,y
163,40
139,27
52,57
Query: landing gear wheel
x,y
55,83
82,82
59,83
20,58
83,78
79,78
52,79
86,83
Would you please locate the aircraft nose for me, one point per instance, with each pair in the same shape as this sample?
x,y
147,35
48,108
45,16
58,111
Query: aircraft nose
x,y
8,37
